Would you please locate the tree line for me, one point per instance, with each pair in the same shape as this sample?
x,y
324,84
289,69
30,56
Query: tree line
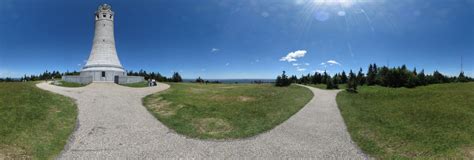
x,y
48,75
176,77
394,77
200,80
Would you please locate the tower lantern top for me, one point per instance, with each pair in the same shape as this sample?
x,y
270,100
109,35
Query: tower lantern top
x,y
104,7
104,11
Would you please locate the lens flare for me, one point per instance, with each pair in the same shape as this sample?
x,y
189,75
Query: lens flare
x,y
343,3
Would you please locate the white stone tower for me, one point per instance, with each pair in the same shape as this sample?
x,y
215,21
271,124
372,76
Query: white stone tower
x,y
103,63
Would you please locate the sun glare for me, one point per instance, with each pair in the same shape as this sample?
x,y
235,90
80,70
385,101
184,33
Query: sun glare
x,y
343,3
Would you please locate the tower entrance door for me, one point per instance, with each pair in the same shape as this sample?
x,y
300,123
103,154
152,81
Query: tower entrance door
x,y
116,79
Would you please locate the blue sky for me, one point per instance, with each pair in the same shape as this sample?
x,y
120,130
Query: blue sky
x,y
241,38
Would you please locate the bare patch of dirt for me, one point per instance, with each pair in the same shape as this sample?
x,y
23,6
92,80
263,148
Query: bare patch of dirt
x,y
212,126
12,152
219,98
163,107
197,90
227,87
469,152
246,98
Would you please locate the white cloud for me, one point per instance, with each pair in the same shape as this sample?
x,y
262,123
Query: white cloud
x,y
227,64
215,50
300,69
296,64
293,56
265,14
322,64
257,60
333,62
307,64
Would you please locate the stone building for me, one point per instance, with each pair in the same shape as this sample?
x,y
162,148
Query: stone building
x,y
103,64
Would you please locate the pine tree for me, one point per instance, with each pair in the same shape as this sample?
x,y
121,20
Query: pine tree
x,y
352,83
335,81
462,78
343,77
283,80
421,78
412,81
176,77
278,81
329,83
438,77
360,77
319,78
383,76
199,80
371,75
325,77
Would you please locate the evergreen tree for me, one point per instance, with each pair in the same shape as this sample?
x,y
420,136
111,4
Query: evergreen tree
x,y
360,77
278,81
330,83
176,77
314,78
438,77
199,80
412,81
283,80
462,78
383,76
352,83
325,77
343,77
421,78
318,78
294,79
371,75
336,82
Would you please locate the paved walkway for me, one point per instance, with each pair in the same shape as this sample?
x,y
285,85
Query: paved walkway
x,y
113,124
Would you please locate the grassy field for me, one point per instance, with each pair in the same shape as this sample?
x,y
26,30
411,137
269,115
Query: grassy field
x,y
34,124
225,111
137,85
69,84
430,122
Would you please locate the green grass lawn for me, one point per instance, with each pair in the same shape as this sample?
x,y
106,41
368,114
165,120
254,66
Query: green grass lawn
x,y
430,122
137,85
226,111
34,124
69,84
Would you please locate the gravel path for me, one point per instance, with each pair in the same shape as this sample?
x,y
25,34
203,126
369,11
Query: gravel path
x,y
113,124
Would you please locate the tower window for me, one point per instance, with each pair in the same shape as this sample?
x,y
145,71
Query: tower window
x,y
104,15
103,74
110,16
